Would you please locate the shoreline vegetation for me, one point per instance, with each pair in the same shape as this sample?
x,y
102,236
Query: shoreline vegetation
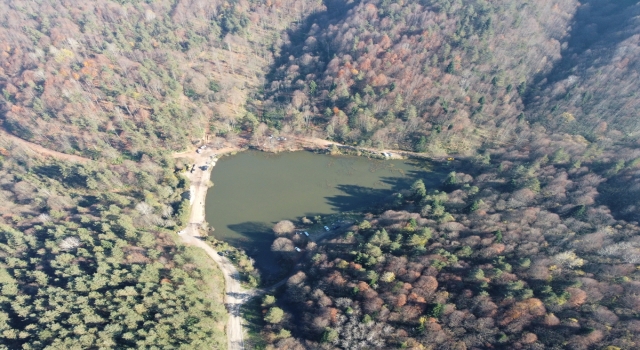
x,y
531,241
196,231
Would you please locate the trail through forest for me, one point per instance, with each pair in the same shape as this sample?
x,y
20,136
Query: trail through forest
x,y
235,295
8,140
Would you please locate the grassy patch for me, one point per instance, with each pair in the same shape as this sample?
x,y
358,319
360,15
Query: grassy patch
x,y
254,322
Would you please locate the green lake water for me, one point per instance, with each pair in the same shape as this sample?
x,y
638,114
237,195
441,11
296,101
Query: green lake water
x,y
254,190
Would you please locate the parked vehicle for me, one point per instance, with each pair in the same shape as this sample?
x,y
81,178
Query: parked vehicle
x,y
326,228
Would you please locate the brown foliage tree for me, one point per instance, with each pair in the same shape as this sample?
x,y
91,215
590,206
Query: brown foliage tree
x,y
284,227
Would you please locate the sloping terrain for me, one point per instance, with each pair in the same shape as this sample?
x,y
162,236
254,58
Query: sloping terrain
x,y
105,77
96,97
530,243
592,91
511,251
437,76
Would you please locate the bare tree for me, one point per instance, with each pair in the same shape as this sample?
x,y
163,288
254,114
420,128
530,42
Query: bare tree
x,y
283,246
283,228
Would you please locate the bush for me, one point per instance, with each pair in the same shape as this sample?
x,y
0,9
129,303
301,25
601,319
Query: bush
x,y
274,315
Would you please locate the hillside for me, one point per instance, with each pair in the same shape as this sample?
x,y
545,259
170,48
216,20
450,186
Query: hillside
x,y
511,251
434,76
96,97
106,77
530,243
592,91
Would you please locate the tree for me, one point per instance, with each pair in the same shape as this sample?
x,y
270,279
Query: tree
x,y
451,68
380,238
282,246
421,144
250,121
568,259
312,87
498,236
417,240
268,300
330,335
436,310
451,179
274,315
364,225
419,189
284,227
388,277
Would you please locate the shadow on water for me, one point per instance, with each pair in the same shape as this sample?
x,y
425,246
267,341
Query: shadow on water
x,y
244,206
256,237
256,241
356,198
250,231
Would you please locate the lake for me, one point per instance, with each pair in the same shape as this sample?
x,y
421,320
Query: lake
x,y
254,190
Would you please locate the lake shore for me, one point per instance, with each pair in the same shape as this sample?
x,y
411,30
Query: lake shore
x,y
200,176
235,295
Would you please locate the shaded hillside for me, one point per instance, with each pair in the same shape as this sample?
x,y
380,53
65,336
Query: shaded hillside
x,y
592,92
593,89
437,76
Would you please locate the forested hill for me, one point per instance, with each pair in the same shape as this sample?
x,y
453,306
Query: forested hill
x,y
504,254
451,77
102,77
592,91
531,242
439,76
89,256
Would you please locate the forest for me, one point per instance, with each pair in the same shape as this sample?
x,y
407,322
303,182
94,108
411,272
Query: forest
x,y
531,242
89,256
514,252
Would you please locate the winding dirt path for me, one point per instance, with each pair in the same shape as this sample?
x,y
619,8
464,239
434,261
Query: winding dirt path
x,y
314,142
8,140
235,295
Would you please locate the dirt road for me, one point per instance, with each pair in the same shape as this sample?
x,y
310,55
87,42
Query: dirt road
x,y
321,143
235,295
9,141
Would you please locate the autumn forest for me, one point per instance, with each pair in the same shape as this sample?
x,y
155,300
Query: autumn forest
x,y
529,108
